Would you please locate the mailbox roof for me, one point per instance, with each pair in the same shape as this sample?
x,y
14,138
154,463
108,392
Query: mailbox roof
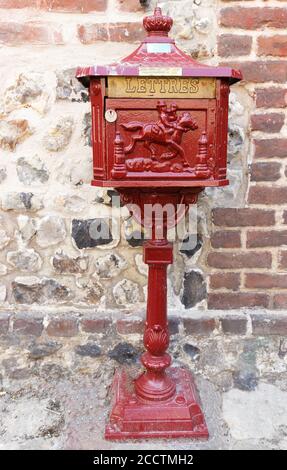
x,y
157,55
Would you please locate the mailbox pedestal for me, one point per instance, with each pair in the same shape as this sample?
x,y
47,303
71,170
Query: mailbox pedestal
x,y
159,135
162,401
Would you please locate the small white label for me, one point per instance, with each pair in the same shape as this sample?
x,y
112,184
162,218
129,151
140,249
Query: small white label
x,y
111,115
158,48
160,71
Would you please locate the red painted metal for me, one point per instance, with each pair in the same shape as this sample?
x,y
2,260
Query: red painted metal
x,y
161,142
158,151
157,27
157,403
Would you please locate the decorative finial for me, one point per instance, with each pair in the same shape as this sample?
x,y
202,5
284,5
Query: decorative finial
x,y
119,170
157,24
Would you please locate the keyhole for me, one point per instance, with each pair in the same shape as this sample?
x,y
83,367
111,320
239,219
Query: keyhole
x,y
111,115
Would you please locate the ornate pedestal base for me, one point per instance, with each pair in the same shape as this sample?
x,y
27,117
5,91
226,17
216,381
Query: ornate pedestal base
x,y
161,402
179,416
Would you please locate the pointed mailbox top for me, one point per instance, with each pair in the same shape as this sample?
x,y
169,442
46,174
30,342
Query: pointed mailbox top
x,y
157,55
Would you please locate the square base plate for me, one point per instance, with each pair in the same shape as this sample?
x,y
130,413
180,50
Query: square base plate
x,y
134,418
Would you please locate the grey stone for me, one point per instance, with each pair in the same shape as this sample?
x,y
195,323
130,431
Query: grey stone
x,y
3,292
69,88
29,172
191,244
223,380
13,132
126,292
3,269
89,233
51,231
88,349
3,174
245,379
194,289
135,238
58,136
54,371
235,139
191,350
109,265
21,201
173,325
25,260
282,348
34,290
25,90
27,227
246,374
94,293
4,239
71,202
63,263
124,353
40,350
87,129
203,25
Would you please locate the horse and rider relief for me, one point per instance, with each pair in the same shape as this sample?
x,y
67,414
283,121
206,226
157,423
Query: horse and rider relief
x,y
162,139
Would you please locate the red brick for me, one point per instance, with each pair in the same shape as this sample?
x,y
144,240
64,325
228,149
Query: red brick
x,y
243,217
285,217
261,71
115,32
267,195
235,325
272,45
280,302
233,45
229,281
283,259
262,238
253,18
131,5
26,325
265,171
4,323
271,122
269,324
265,281
62,327
95,325
269,148
77,6
199,326
126,326
12,33
226,300
271,97
238,260
226,239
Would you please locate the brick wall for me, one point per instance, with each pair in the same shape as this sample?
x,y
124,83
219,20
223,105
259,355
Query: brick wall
x,y
248,257
240,259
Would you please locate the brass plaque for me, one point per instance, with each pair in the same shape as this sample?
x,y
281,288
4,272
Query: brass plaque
x,y
161,87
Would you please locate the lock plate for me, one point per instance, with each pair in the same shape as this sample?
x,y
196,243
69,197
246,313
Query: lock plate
x,y
111,115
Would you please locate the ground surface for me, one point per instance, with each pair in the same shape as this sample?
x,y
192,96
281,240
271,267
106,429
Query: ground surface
x,y
54,397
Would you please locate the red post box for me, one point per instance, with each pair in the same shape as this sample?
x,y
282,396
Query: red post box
x,y
159,135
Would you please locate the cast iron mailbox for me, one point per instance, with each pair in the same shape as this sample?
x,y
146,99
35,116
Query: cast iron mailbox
x,y
159,135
